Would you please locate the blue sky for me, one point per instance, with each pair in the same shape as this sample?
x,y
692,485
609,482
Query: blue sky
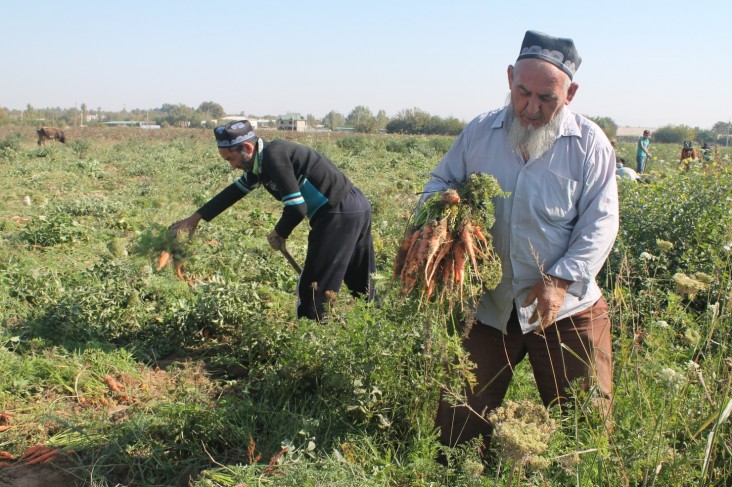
x,y
647,63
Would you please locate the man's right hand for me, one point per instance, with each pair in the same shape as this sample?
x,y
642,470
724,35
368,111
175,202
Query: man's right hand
x,y
185,225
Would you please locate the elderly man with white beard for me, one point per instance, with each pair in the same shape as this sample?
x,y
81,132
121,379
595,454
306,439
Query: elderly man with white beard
x,y
553,233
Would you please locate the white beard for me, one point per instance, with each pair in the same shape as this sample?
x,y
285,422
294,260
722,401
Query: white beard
x,y
531,142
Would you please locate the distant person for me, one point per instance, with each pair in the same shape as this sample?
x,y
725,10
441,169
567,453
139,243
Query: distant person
x,y
614,143
706,152
309,185
688,154
642,152
625,172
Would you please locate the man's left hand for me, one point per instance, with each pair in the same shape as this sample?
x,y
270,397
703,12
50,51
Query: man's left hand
x,y
275,241
549,295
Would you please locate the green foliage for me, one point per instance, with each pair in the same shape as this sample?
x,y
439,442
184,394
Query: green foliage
x,y
416,121
691,210
10,145
354,144
607,125
334,119
217,367
46,231
674,134
362,120
427,147
212,109
80,147
705,136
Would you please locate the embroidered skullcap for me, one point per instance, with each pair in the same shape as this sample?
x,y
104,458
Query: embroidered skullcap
x,y
556,50
234,133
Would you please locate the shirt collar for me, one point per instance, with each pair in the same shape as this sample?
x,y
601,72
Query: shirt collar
x,y
257,168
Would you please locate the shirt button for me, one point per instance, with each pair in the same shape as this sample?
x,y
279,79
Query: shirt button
x,y
515,227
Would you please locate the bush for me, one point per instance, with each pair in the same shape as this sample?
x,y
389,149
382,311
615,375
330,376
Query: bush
x,y
353,144
11,143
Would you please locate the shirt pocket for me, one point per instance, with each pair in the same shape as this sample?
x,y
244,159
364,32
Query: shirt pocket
x,y
561,197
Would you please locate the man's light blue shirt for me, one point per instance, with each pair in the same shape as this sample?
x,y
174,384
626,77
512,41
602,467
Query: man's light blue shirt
x,y
561,217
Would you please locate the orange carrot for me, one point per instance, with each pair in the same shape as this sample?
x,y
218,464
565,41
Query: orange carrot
x,y
32,451
113,384
439,235
4,454
431,285
466,234
401,255
478,232
45,457
429,273
164,259
413,246
448,268
415,259
179,271
459,262
424,242
37,453
5,427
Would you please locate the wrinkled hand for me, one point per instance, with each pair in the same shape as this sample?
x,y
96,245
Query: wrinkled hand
x,y
275,241
185,225
549,295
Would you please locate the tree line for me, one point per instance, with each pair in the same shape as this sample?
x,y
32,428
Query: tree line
x,y
360,119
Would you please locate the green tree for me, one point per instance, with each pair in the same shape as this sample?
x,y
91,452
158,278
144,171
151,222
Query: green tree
x,y
409,121
674,134
607,125
178,116
381,120
362,120
334,119
416,121
311,120
723,131
30,112
211,109
705,135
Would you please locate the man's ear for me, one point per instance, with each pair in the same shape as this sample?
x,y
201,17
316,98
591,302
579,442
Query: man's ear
x,y
571,92
510,76
248,149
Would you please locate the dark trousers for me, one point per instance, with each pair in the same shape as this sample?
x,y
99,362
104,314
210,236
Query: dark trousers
x,y
340,249
586,334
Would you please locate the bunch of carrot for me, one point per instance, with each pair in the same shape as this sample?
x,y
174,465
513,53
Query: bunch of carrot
x,y
448,239
39,453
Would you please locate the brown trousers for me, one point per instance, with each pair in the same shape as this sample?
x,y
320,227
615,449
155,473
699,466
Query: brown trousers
x,y
586,334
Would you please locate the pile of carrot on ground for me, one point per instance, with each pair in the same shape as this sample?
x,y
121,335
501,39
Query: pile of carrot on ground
x,y
448,251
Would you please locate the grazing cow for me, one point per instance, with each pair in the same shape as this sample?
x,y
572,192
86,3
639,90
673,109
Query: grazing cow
x,y
50,133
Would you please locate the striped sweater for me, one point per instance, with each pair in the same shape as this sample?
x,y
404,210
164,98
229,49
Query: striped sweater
x,y
304,180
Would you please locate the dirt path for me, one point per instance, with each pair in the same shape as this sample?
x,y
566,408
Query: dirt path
x,y
42,475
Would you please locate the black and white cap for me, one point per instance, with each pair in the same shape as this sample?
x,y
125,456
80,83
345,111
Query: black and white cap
x,y
555,50
234,133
